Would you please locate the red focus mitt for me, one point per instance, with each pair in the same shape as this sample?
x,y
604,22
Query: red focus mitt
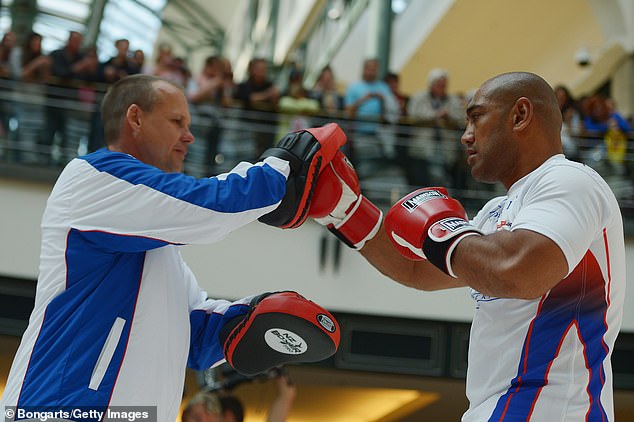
x,y
279,328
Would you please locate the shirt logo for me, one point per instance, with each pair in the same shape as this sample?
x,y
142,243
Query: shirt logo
x,y
503,224
285,341
479,297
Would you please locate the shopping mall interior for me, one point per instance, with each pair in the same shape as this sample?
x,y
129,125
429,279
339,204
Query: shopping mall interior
x,y
403,352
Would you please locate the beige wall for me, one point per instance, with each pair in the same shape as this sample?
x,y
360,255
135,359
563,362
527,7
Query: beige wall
x,y
478,39
260,258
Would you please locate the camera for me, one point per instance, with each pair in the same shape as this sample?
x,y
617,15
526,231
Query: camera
x,y
224,378
582,57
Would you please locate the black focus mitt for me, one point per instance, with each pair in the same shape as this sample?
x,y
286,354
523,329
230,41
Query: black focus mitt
x,y
308,151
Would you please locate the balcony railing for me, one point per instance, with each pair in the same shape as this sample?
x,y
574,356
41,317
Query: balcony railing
x,y
43,127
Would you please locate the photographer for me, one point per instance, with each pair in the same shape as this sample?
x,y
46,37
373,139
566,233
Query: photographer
x,y
204,407
232,407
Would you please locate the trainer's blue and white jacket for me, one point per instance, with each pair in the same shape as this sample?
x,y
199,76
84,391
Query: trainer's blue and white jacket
x,y
118,314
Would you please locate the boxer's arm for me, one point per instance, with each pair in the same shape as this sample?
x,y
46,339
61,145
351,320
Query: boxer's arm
x,y
339,205
421,275
428,224
520,264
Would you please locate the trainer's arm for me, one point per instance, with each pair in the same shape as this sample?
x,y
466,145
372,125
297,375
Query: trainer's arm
x,y
117,195
421,275
207,317
520,264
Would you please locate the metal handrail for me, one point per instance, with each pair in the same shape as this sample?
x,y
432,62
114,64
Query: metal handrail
x,y
394,160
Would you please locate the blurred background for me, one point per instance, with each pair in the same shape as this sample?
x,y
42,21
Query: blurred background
x,y
254,70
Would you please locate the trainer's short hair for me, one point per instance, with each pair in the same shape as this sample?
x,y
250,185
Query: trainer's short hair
x,y
135,89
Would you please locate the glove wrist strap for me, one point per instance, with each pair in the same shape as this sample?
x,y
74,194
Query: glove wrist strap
x,y
442,239
360,225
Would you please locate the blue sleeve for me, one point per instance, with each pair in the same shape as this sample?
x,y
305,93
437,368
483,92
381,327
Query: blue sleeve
x,y
254,187
132,202
205,349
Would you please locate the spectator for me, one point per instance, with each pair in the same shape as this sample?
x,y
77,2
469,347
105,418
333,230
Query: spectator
x,y
602,115
609,131
572,126
283,402
207,93
138,60
259,94
6,46
6,110
181,68
167,67
435,104
326,92
69,67
203,407
229,86
233,409
70,63
161,62
89,73
208,86
88,81
121,65
295,106
433,153
32,64
369,102
258,90
392,80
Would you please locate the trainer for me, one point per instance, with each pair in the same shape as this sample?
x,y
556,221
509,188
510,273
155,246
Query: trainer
x,y
118,314
545,263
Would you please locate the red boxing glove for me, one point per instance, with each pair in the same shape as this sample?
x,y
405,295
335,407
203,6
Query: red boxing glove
x,y
338,204
428,224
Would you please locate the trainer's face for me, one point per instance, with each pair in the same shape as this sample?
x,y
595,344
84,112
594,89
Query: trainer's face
x,y
163,134
487,139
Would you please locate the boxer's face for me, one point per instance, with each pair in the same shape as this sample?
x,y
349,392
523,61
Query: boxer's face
x,y
486,138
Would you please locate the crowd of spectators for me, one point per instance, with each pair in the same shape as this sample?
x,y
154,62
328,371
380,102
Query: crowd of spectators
x,y
595,132
419,133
